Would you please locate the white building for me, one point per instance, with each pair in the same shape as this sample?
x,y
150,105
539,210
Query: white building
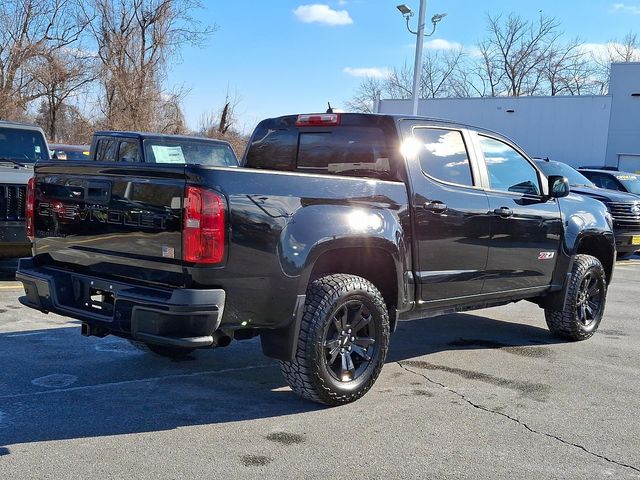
x,y
578,130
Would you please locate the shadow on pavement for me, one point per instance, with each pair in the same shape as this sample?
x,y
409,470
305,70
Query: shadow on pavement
x,y
8,270
57,385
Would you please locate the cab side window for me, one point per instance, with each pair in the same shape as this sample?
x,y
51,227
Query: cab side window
x,y
443,155
508,170
106,150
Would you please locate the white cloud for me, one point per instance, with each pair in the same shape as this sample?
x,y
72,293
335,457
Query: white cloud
x,y
319,13
442,44
367,72
624,8
604,51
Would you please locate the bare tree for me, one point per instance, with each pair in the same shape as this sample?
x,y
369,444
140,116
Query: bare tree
x,y
136,40
59,76
368,93
568,70
514,53
628,50
31,30
222,124
439,79
438,72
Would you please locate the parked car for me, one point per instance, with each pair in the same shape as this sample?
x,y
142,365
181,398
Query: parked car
x,y
614,180
21,145
338,226
138,147
61,151
624,207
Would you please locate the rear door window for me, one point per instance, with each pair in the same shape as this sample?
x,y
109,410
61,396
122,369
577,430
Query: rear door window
x,y
128,152
443,155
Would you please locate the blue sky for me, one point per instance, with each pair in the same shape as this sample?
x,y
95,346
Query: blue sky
x,y
283,56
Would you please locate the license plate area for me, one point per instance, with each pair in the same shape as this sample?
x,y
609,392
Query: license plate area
x,y
100,301
95,296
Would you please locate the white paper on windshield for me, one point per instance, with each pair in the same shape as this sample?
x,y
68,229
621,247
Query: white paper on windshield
x,y
165,154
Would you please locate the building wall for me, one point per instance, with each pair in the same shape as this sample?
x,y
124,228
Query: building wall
x,y
578,130
623,144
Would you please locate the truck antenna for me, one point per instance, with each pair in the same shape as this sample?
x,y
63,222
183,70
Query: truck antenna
x,y
330,109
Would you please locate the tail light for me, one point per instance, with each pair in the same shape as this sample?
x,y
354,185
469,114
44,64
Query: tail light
x,y
30,208
204,225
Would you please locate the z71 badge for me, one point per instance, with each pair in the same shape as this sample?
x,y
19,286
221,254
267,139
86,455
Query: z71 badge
x,y
546,255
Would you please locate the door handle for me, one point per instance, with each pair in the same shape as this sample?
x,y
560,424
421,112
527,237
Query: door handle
x,y
503,212
435,207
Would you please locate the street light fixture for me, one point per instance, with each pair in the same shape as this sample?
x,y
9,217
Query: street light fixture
x,y
417,69
405,10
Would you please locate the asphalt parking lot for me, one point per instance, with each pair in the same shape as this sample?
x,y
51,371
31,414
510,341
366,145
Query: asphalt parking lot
x,y
489,394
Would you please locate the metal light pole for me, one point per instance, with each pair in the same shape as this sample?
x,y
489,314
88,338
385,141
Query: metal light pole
x,y
417,68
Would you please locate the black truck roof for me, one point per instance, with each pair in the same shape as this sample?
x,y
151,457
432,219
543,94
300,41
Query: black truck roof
x,y
143,135
369,118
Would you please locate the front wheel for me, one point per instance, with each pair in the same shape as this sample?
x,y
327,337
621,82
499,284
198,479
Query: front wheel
x,y
342,343
584,304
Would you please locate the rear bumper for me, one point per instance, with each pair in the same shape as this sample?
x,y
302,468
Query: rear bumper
x,y
175,317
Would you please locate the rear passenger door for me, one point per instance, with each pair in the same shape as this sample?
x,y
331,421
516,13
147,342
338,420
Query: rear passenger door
x,y
526,227
451,224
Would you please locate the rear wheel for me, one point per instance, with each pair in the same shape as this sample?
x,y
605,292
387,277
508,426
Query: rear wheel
x,y
163,350
343,341
584,304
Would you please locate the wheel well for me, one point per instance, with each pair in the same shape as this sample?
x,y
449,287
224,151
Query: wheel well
x,y
600,248
374,264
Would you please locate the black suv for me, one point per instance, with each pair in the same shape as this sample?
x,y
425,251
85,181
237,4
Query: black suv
x,y
624,207
613,180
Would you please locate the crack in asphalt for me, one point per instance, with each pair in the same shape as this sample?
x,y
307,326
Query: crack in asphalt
x,y
515,420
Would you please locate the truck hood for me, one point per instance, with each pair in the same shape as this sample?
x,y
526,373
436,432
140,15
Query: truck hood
x,y
15,175
604,195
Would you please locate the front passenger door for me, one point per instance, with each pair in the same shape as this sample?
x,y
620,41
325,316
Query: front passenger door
x,y
526,227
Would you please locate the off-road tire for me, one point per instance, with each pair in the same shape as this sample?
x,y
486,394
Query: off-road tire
x,y
310,374
566,323
162,350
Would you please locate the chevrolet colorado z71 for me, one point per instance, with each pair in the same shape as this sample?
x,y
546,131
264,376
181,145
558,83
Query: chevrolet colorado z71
x,y
21,145
338,226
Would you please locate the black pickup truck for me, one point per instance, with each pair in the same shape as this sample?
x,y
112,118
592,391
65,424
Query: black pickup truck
x,y
336,227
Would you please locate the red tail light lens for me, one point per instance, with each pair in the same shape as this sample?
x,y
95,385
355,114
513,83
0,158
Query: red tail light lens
x,y
204,225
30,208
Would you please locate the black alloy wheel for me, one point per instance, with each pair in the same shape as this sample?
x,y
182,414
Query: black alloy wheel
x,y
349,342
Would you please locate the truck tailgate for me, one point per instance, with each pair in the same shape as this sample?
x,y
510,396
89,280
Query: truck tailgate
x,y
113,221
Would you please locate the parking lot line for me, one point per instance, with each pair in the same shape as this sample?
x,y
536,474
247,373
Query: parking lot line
x,y
136,380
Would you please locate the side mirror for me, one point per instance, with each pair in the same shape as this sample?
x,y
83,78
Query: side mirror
x,y
558,186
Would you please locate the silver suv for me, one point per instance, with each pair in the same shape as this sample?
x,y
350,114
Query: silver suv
x,y
21,146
